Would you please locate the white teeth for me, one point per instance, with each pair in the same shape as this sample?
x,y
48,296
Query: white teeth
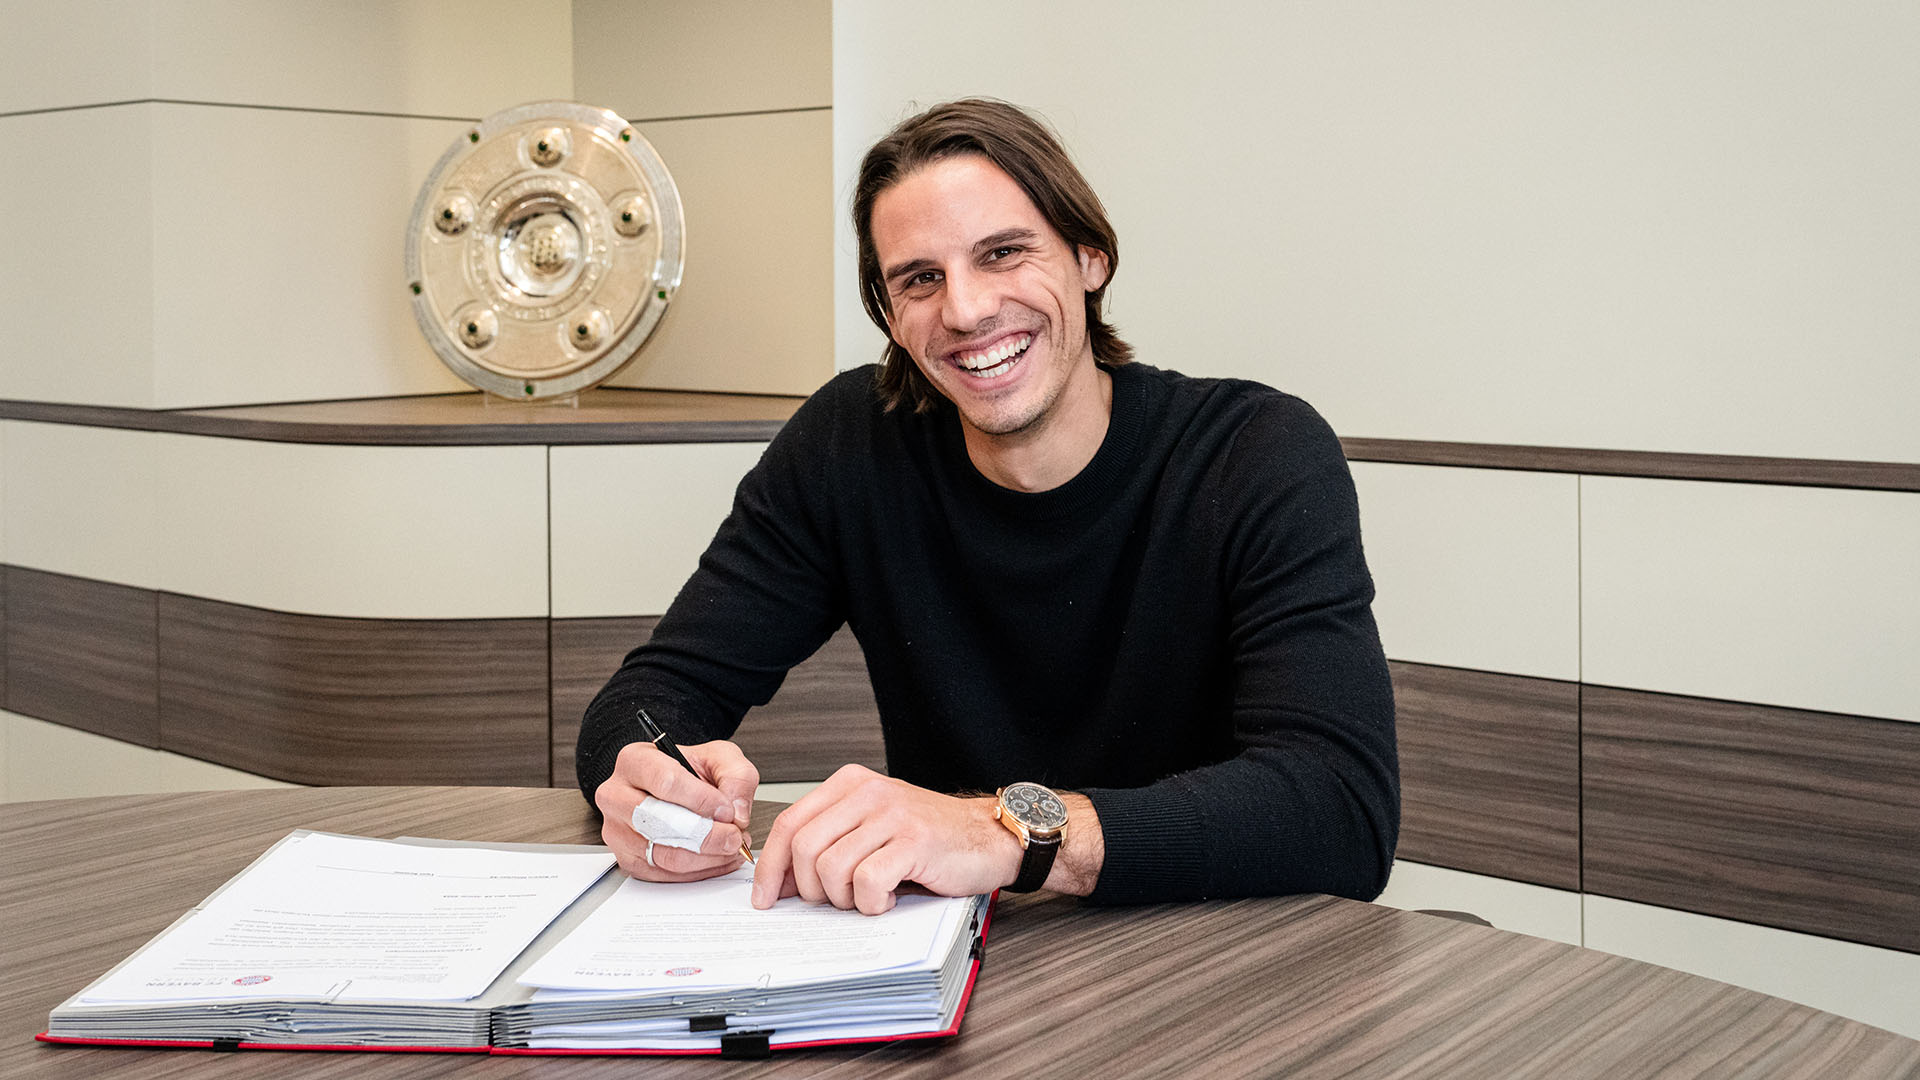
x,y
994,360
993,372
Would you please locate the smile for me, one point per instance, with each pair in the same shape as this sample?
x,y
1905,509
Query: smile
x,y
997,361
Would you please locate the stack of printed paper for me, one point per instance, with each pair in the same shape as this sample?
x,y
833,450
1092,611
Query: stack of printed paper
x,y
338,941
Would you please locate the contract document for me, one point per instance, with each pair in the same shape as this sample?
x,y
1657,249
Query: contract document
x,y
341,942
320,916
708,933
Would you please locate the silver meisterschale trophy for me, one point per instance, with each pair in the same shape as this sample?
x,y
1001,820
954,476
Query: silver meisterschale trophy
x,y
543,250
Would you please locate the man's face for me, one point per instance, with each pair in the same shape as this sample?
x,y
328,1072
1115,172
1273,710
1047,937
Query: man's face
x,y
985,296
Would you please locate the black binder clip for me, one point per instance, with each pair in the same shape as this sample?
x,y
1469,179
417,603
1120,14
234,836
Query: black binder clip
x,y
226,1046
747,1045
716,1022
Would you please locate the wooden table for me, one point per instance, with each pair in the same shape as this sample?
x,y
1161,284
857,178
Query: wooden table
x,y
1306,986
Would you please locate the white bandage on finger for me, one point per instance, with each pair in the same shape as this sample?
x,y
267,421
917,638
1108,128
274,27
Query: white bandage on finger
x,y
668,823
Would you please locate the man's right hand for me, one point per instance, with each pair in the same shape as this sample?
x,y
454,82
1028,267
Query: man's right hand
x,y
723,792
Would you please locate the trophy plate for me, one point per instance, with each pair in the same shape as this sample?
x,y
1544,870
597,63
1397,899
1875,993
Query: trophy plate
x,y
543,250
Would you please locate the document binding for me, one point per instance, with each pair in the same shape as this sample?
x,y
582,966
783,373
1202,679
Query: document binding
x,y
753,1043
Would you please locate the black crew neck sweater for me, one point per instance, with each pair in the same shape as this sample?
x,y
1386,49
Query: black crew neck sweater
x,y
1181,632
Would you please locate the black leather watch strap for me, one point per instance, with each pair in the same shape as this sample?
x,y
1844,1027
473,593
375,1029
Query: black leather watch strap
x,y
1036,864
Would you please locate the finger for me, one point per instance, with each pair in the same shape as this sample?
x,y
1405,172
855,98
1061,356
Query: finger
x,y
724,840
773,874
803,850
675,860
877,880
835,823
726,767
630,851
775,869
644,767
616,797
783,890
837,866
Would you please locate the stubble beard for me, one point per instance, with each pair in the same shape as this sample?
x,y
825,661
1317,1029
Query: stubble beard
x,y
1027,421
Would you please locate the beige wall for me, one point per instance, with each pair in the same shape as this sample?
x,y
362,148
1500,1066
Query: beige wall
x,y
737,97
221,191
220,188
1636,225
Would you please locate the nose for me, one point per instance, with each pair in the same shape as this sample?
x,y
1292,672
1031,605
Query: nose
x,y
970,300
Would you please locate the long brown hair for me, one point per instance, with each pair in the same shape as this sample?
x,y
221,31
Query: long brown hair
x,y
1023,148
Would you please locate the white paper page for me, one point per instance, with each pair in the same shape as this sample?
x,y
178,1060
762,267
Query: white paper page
x,y
326,916
707,934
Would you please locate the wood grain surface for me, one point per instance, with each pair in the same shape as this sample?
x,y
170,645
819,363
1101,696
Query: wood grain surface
x,y
1304,987
81,653
1489,773
320,700
822,718
1800,820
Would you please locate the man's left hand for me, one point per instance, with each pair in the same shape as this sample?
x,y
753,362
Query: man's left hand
x,y
855,839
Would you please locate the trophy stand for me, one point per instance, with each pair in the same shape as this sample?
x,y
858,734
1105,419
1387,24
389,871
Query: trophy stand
x,y
495,401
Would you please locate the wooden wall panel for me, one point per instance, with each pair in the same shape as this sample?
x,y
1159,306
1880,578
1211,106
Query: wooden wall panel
x,y
822,718
319,700
1805,821
81,653
585,652
1489,773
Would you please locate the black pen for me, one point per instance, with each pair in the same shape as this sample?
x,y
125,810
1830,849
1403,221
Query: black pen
x,y
658,737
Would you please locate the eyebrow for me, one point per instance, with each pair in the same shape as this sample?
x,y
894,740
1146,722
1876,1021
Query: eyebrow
x,y
1015,235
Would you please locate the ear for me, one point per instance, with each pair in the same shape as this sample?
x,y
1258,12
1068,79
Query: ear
x,y
1094,265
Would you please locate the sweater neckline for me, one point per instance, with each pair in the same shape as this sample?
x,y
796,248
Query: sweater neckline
x,y
1111,464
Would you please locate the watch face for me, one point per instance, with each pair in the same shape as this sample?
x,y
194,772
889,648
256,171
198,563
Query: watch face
x,y
1036,807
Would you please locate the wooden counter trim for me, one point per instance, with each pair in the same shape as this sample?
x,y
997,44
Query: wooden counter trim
x,y
822,718
81,653
1735,468
322,700
604,417
1489,773
618,415
1800,820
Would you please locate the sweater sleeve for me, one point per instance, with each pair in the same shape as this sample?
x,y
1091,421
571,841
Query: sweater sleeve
x,y
764,597
1310,799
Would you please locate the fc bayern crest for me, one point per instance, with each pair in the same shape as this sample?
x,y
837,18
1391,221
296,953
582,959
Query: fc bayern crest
x,y
543,249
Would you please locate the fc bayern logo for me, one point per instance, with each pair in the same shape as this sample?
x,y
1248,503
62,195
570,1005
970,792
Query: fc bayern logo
x,y
683,971
251,980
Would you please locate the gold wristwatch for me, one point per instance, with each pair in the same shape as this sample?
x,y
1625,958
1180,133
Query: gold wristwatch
x,y
1038,817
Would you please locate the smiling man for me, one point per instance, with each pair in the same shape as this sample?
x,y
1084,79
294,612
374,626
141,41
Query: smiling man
x,y
1129,603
